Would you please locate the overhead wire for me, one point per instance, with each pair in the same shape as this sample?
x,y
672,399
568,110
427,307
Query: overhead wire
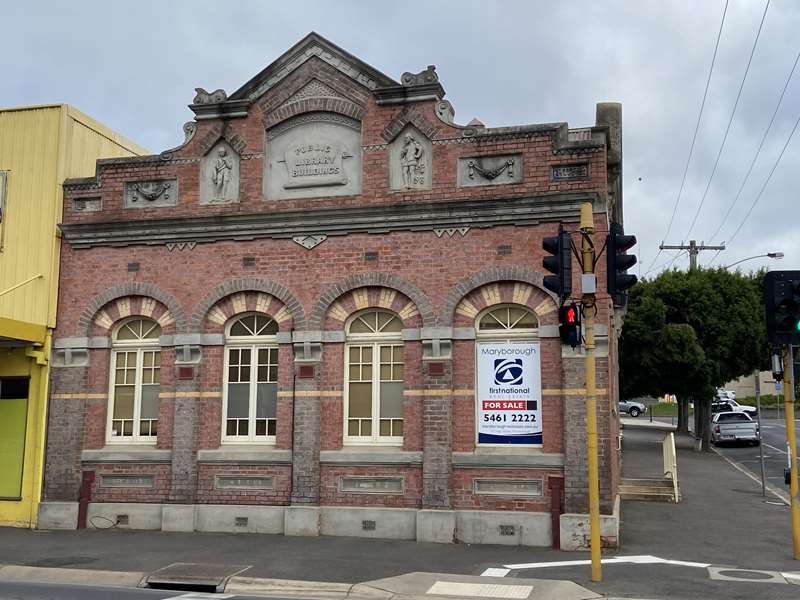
x,y
766,181
758,150
694,136
730,121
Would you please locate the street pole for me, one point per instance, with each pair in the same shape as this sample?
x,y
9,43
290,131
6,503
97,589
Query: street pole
x,y
788,399
693,248
760,445
589,311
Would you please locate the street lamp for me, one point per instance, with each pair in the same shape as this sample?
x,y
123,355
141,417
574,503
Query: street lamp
x,y
767,255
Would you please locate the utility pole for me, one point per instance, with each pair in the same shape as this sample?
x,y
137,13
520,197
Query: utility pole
x,y
693,249
590,309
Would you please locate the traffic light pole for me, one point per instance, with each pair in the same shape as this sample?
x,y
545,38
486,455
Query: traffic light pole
x,y
590,308
788,399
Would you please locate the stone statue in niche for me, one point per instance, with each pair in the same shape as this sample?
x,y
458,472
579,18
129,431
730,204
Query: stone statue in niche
x,y
219,176
410,161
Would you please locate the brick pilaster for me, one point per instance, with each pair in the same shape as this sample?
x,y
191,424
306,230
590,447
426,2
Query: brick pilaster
x,y
437,417
307,433
185,428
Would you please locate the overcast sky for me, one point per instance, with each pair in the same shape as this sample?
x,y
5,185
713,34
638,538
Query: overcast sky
x,y
134,67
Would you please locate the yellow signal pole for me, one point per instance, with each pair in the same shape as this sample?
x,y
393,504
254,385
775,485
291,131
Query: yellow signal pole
x,y
590,308
788,400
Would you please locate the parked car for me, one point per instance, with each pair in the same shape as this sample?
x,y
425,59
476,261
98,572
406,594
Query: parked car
x,y
723,394
632,408
731,405
734,427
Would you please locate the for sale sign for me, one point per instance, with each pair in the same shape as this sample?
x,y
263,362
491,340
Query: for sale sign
x,y
509,393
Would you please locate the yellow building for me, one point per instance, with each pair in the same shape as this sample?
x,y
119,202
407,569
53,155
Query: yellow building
x,y
40,146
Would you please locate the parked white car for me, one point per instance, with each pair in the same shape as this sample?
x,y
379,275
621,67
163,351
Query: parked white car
x,y
731,405
632,408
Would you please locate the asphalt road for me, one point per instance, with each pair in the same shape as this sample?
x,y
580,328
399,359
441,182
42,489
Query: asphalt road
x,y
773,436
51,591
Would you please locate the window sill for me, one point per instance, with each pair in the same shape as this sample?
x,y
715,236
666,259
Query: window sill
x,y
121,453
507,457
245,454
370,455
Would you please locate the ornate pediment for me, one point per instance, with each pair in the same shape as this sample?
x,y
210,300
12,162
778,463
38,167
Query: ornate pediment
x,y
313,45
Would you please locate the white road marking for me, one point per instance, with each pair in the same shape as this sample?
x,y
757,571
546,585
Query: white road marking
x,y
639,560
792,577
771,489
774,448
726,574
494,572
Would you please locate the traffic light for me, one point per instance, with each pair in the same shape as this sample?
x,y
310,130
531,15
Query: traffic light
x,y
782,304
569,324
618,263
559,263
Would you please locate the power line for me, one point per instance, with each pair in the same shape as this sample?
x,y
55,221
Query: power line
x,y
668,263
730,121
758,151
694,136
766,181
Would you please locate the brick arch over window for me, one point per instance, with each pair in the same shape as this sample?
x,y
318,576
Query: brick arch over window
x,y
245,302
476,292
324,104
249,284
123,298
371,280
371,297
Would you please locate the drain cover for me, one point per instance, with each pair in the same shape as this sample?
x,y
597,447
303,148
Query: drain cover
x,y
194,576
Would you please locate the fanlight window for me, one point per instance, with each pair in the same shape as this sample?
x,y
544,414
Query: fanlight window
x,y
506,318
253,325
374,371
135,382
251,380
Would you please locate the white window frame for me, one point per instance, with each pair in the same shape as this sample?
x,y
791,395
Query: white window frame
x,y
527,334
375,341
139,347
254,343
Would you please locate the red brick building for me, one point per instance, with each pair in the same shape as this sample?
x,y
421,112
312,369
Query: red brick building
x,y
286,324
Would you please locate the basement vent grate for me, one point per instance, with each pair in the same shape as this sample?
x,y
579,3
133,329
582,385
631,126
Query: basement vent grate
x,y
241,521
368,525
504,249
507,529
123,520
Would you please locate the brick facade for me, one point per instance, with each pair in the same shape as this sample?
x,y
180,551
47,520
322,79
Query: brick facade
x,y
434,257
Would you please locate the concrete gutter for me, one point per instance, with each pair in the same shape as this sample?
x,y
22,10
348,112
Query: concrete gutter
x,y
71,576
316,590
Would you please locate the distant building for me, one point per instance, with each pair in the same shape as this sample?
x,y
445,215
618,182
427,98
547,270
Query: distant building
x,y
746,386
40,147
323,313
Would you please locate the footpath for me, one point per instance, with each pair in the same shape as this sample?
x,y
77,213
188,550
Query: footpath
x,y
722,541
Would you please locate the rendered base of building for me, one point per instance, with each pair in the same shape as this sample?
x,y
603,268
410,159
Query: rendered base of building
x,y
439,526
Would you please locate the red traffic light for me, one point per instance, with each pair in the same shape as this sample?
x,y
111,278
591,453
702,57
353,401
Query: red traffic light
x,y
571,315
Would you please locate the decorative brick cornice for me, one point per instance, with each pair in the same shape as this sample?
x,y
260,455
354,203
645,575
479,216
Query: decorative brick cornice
x,y
335,105
244,284
370,279
476,280
130,288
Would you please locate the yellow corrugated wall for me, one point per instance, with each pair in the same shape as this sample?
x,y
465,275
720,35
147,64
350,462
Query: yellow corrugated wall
x,y
40,146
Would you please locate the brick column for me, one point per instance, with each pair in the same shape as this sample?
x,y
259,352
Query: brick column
x,y
65,424
437,418
185,425
306,437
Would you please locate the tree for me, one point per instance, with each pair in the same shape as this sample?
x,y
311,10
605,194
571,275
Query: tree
x,y
687,333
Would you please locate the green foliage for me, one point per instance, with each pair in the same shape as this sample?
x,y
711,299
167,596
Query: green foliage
x,y
687,333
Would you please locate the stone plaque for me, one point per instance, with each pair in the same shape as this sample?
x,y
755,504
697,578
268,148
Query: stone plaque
x,y
219,175
371,485
489,170
87,204
314,154
410,161
151,194
127,481
570,172
244,482
507,487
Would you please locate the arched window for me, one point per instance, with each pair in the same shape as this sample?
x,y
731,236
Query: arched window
x,y
251,379
507,320
374,378
135,381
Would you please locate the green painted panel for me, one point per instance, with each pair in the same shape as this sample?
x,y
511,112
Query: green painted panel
x,y
13,417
